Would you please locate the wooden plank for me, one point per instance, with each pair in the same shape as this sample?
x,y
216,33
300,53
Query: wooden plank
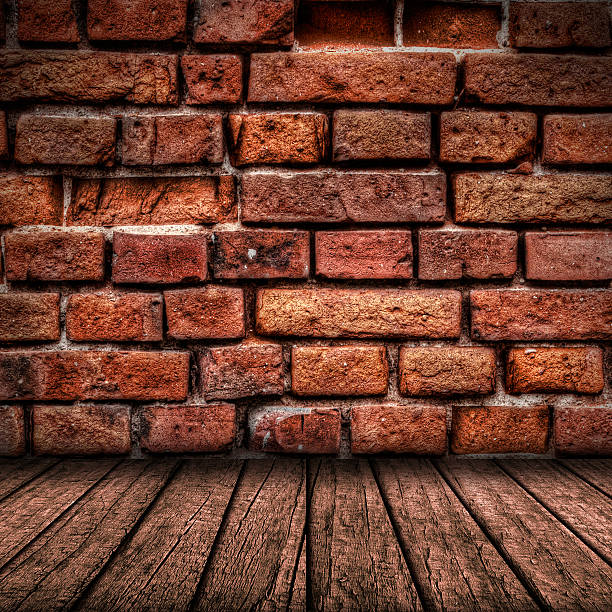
x,y
256,555
33,508
18,472
355,561
163,562
561,571
54,570
456,566
595,471
298,602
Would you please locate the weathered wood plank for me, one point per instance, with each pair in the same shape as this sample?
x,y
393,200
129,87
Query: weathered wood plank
x,y
52,572
160,567
14,473
594,471
456,566
355,561
562,572
252,565
298,601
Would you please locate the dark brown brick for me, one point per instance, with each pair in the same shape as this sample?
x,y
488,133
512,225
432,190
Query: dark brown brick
x,y
44,21
4,143
583,430
212,78
31,200
27,317
12,426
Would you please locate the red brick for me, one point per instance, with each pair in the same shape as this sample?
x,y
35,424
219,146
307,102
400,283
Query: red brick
x,y
44,21
379,254
545,198
583,430
12,426
476,137
295,430
81,430
381,134
336,313
339,370
400,78
212,78
188,429
88,76
153,20
568,256
159,259
418,430
538,80
499,429
174,139
577,139
26,317
278,138
436,24
520,314
455,254
448,370
115,317
244,370
264,22
559,24
94,375
555,370
54,256
152,201
4,144
361,197
31,200
208,313
261,254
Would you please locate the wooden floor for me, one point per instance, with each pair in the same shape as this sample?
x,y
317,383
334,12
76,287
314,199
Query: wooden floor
x,y
322,534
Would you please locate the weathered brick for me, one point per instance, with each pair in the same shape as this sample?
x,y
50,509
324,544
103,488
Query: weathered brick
x,y
115,317
399,78
278,138
264,22
54,256
208,313
555,370
455,254
2,23
159,259
4,144
361,197
449,370
339,370
538,80
44,21
417,430
153,20
212,78
31,200
568,256
380,254
12,426
381,134
518,314
188,429
559,24
295,430
173,139
358,313
244,370
87,76
26,317
94,375
550,198
81,430
577,139
261,254
152,201
583,430
477,137
499,429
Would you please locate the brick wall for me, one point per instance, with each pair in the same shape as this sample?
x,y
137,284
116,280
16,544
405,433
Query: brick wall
x,y
339,227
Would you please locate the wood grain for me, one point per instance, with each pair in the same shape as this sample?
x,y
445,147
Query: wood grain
x,y
594,471
18,472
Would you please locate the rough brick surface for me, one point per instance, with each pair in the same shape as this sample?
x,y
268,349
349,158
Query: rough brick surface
x,y
339,370
12,426
30,200
555,370
416,430
583,430
4,143
212,78
27,317
44,21
499,429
